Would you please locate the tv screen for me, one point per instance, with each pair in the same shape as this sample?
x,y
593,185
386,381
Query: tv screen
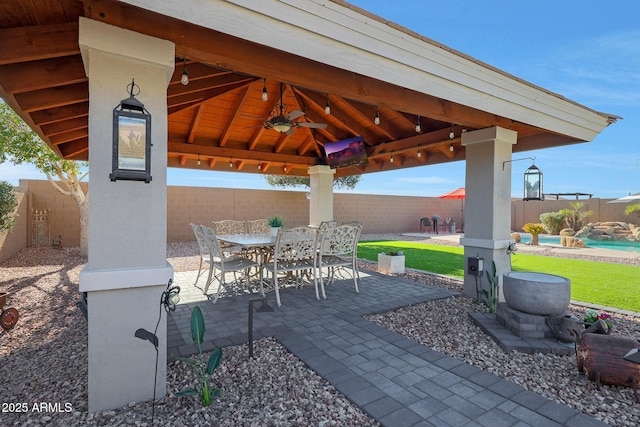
x,y
348,152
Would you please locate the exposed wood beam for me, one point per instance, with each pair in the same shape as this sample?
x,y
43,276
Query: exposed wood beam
x,y
38,42
232,117
53,97
68,136
66,126
181,148
195,121
59,114
78,149
42,74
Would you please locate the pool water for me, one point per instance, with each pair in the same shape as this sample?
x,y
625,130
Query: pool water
x,y
615,245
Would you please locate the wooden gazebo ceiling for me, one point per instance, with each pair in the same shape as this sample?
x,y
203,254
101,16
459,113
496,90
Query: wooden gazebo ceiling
x,y
218,117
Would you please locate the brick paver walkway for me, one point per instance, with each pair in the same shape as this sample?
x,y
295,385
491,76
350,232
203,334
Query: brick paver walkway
x,y
394,379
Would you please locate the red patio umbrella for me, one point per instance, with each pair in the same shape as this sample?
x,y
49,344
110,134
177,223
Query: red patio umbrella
x,y
457,194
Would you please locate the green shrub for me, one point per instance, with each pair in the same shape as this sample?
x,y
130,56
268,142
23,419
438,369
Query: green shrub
x,y
553,222
8,204
633,209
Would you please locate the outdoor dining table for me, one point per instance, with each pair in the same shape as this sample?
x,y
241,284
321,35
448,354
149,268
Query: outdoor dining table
x,y
251,240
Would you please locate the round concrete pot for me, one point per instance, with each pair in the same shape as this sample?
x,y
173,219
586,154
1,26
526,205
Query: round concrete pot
x,y
537,293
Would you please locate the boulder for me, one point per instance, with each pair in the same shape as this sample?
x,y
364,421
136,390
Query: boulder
x,y
571,242
567,232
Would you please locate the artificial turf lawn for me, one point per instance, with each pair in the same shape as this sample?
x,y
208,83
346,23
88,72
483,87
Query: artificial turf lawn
x,y
612,285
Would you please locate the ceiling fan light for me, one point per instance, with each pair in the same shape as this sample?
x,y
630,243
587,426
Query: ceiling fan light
x,y
282,127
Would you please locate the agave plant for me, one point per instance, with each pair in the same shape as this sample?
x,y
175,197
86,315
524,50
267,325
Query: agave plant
x,y
203,371
491,295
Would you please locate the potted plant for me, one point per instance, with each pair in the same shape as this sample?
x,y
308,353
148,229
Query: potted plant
x,y
275,222
391,262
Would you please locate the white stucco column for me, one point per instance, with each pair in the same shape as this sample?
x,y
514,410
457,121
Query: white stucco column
x,y
127,269
321,201
487,215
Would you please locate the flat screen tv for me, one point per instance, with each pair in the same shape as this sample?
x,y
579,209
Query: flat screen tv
x,y
348,152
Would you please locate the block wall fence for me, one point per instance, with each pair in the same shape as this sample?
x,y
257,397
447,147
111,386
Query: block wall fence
x,y
379,213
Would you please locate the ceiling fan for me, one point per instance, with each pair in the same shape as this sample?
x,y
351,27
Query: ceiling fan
x,y
282,121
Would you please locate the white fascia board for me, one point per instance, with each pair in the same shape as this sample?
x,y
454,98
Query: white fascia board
x,y
330,33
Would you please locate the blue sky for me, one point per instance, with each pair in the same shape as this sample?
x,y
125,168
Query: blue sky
x,y
585,50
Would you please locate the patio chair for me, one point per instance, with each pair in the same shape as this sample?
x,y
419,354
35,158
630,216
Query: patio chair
x,y
338,249
258,226
326,224
221,264
295,252
230,226
204,251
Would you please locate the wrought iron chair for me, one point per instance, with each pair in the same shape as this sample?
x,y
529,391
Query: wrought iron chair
x,y
221,264
295,252
204,250
230,226
258,226
338,248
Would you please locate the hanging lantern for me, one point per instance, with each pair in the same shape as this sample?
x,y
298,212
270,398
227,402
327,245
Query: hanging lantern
x,y
533,184
131,139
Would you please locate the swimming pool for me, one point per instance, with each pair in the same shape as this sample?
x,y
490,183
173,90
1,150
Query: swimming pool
x,y
615,245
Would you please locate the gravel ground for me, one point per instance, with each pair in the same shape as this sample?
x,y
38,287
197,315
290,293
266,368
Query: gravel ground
x,y
43,360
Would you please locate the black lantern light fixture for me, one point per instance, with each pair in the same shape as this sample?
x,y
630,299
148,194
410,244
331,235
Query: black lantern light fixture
x,y
532,180
533,184
131,139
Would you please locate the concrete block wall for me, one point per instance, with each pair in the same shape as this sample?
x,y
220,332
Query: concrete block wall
x,y
379,213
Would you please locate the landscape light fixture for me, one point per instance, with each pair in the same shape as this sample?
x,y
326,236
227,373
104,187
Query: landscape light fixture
x,y
265,95
131,139
185,75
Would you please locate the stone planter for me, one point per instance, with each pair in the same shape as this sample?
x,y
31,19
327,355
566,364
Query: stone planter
x,y
537,293
391,264
273,231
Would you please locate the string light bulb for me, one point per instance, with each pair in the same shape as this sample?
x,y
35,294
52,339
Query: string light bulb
x,y
198,159
419,153
418,127
451,134
185,74
327,106
284,169
265,95
376,119
391,159
451,147
259,166
230,163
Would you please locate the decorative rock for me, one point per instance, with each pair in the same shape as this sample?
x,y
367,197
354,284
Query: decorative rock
x,y
537,293
567,232
571,242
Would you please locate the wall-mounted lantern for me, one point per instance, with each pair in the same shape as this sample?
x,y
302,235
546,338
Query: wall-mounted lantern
x,y
131,139
532,180
533,184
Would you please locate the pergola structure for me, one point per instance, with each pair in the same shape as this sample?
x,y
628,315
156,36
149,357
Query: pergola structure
x,y
66,64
